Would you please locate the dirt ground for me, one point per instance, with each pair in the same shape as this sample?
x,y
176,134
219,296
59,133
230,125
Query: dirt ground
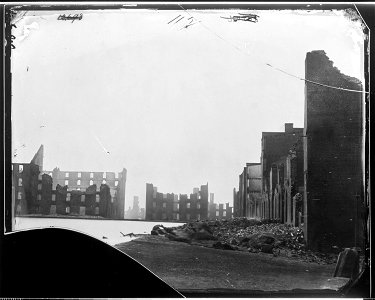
x,y
192,267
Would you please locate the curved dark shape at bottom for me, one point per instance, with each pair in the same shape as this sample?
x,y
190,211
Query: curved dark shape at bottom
x,y
46,263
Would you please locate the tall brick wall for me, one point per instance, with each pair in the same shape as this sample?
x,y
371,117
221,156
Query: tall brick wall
x,y
333,156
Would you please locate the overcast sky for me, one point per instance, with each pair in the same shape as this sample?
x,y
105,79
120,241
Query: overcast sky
x,y
177,107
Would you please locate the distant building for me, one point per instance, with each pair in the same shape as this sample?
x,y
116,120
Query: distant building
x,y
218,211
135,212
334,195
173,207
67,193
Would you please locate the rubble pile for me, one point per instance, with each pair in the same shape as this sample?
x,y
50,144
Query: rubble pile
x,y
242,234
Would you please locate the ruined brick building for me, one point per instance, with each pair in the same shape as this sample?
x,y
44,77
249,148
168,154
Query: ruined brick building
x,y
218,211
267,189
249,191
314,176
173,207
65,192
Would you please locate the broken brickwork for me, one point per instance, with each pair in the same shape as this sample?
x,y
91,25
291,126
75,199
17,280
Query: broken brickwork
x,y
333,167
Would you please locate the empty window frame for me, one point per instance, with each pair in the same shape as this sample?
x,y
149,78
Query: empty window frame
x,y
39,186
39,197
79,174
53,209
78,182
67,209
66,174
187,205
66,182
19,196
19,181
97,198
68,197
116,183
91,175
53,197
105,175
82,198
91,182
198,205
20,168
82,210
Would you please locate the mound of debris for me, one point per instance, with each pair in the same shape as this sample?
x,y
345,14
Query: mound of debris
x,y
241,234
187,233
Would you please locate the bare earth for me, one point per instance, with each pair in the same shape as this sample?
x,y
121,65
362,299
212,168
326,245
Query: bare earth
x,y
193,267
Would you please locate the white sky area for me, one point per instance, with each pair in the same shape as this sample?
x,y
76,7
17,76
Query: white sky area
x,y
176,107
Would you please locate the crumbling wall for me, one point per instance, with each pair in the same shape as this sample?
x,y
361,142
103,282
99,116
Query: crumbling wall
x,y
333,156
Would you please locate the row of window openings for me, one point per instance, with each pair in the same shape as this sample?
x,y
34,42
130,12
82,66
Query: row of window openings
x,y
66,183
177,206
175,196
91,182
91,175
82,210
39,197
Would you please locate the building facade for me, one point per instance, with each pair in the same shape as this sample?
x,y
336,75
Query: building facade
x,y
277,154
173,207
248,201
334,195
67,193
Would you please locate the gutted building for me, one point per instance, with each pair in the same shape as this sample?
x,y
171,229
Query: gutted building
x,y
25,181
249,198
333,152
278,149
80,181
66,193
219,211
173,207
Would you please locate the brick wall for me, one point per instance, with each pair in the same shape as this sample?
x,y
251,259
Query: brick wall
x,y
333,161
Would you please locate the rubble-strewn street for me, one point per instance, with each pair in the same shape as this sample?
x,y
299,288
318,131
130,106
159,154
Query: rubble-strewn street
x,y
195,267
254,236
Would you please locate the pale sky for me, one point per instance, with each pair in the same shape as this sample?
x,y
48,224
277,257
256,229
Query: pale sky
x,y
176,107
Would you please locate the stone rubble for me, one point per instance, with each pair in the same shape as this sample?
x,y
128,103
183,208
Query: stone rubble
x,y
241,234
